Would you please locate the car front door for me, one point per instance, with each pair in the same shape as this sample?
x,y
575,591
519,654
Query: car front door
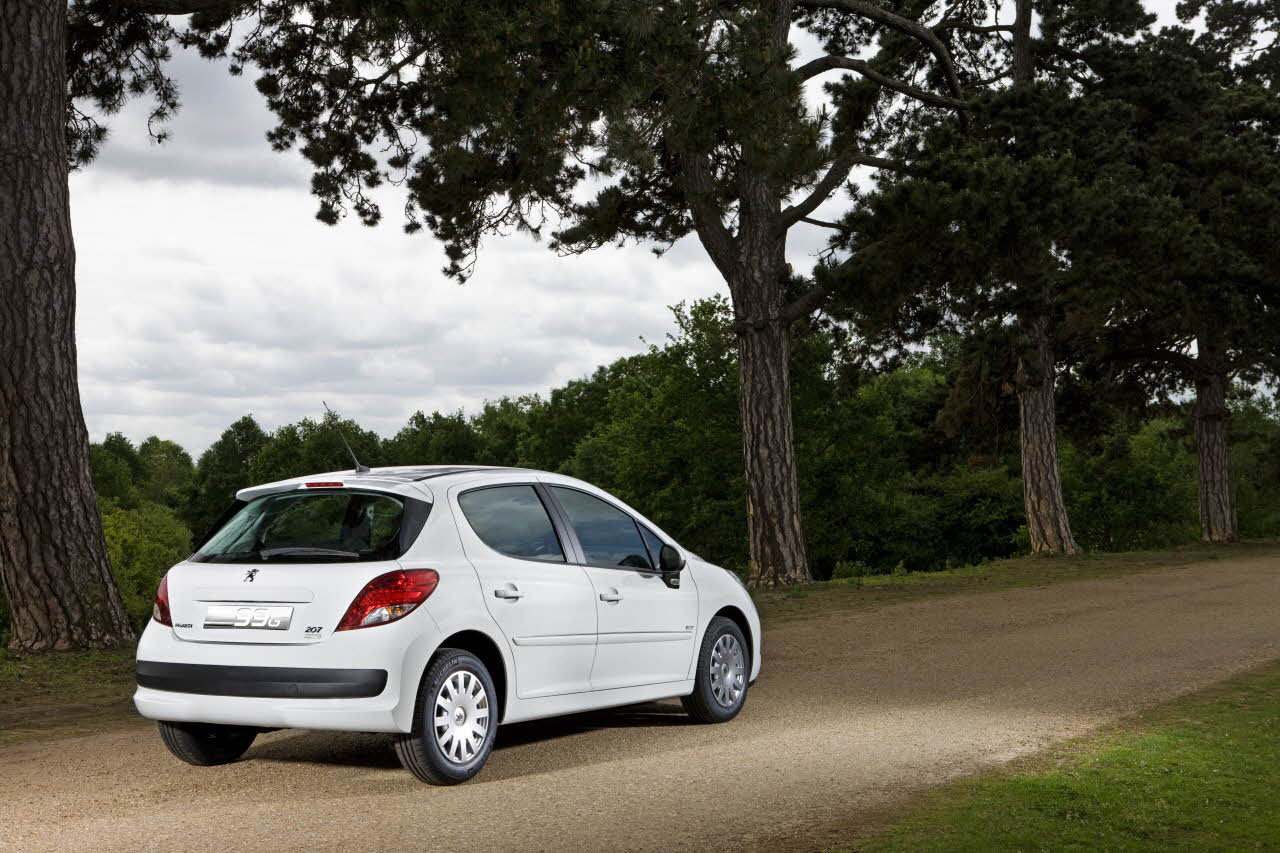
x,y
645,628
543,602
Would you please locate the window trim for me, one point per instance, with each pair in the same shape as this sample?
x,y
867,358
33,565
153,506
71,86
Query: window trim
x,y
570,554
564,515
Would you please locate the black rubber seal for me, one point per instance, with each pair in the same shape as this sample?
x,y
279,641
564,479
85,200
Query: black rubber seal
x,y
263,682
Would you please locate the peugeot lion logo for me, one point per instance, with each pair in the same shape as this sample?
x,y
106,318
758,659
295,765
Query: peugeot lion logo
x,y
250,575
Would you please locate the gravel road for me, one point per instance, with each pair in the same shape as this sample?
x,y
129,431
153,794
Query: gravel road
x,y
854,712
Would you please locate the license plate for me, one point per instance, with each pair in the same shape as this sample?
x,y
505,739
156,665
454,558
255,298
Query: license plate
x,y
248,616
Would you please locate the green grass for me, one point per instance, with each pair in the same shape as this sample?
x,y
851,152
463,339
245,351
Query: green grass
x,y
1201,773
63,692
879,590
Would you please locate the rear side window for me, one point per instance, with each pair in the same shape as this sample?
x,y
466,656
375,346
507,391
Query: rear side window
x,y
303,527
512,520
609,537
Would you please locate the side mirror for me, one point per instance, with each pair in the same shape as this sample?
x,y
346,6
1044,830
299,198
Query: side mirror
x,y
669,559
670,564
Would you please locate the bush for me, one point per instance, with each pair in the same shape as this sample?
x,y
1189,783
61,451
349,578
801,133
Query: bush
x,y
1135,491
142,544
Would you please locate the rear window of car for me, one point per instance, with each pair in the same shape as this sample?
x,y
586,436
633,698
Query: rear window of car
x,y
303,527
512,520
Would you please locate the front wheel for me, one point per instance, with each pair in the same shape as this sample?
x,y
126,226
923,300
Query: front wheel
x,y
206,744
454,723
720,685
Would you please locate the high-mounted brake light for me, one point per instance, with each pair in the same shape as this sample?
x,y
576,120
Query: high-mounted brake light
x,y
389,597
324,485
160,609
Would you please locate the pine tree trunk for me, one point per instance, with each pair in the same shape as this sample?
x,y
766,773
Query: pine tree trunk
x,y
53,560
1047,521
1213,419
768,448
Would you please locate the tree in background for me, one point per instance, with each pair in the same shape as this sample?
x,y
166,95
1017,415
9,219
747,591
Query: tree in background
x,y
1209,313
170,473
312,447
142,494
1003,230
222,471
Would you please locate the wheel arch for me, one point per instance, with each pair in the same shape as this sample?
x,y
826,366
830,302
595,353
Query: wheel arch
x,y
736,616
486,649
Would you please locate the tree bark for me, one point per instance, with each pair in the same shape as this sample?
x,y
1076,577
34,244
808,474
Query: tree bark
x,y
1213,420
768,449
53,560
1047,521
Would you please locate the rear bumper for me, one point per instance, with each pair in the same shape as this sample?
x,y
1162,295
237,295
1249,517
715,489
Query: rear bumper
x,y
360,681
261,682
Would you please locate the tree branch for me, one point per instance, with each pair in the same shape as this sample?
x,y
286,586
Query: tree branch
x,y
823,223
827,63
840,168
699,191
804,305
903,25
943,26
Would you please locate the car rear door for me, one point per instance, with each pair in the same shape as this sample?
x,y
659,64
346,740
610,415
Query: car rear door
x,y
542,602
645,628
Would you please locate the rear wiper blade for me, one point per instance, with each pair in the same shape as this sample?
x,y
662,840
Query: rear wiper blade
x,y
268,553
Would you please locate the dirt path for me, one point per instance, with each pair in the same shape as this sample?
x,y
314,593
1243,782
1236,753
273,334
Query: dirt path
x,y
855,711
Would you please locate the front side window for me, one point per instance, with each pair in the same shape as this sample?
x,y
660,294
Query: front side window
x,y
512,520
654,544
609,537
304,527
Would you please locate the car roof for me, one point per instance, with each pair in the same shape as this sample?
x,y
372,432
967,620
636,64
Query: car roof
x,y
394,479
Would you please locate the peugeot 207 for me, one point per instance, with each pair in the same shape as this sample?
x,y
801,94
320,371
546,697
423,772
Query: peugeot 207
x,y
434,603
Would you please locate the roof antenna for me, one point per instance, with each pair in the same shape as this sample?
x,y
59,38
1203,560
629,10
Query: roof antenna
x,y
360,469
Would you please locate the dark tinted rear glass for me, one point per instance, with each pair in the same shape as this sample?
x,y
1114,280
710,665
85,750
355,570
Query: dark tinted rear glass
x,y
304,527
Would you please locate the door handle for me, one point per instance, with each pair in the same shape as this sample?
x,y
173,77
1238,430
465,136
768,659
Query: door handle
x,y
510,592
612,596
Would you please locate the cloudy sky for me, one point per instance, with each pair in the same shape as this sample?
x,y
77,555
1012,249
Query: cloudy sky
x,y
207,289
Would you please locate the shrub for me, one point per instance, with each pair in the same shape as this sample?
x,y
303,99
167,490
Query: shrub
x,y
142,543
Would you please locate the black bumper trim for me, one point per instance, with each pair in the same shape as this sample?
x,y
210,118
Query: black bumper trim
x,y
262,682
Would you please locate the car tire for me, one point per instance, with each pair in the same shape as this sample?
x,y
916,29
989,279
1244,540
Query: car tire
x,y
206,744
724,670
455,720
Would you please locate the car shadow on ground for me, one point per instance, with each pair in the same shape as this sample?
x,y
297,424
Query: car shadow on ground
x,y
376,750
646,715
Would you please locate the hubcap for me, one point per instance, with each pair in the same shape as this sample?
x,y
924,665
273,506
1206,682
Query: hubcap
x,y
461,716
728,670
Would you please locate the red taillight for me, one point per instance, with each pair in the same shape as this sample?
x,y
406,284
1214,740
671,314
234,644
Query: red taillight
x,y
389,597
160,610
324,485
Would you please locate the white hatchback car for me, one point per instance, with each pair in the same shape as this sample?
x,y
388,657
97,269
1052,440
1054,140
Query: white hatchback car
x,y
435,603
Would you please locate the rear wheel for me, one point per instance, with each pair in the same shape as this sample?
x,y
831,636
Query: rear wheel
x,y
206,744
720,685
455,720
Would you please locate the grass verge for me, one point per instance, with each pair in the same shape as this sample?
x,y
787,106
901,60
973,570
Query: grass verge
x,y
1200,773
879,590
63,692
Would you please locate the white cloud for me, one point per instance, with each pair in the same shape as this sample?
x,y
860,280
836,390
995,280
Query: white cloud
x,y
208,290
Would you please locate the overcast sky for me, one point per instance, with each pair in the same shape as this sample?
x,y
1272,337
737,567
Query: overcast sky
x,y
207,289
